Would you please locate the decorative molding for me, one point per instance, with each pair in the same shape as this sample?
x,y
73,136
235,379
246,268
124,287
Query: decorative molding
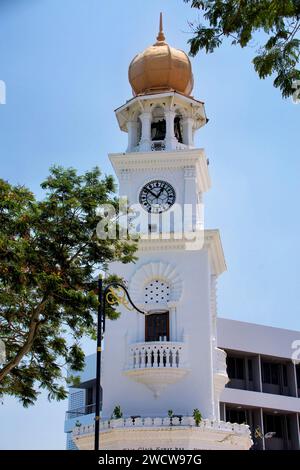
x,y
215,250
125,174
177,159
188,106
189,172
212,243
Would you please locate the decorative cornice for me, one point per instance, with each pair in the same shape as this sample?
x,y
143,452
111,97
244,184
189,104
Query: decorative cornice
x,y
214,245
179,159
211,243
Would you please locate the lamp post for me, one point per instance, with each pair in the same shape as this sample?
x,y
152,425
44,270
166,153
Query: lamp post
x,y
110,296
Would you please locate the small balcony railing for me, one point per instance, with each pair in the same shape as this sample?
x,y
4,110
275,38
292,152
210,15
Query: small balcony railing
x,y
84,410
160,354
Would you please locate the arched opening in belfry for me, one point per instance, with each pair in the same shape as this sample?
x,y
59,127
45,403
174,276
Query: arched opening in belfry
x,y
138,130
158,124
178,131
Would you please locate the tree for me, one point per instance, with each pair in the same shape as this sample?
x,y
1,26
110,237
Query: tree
x,y
49,254
240,20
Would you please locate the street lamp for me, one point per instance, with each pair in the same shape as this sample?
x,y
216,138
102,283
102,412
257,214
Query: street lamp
x,y
110,296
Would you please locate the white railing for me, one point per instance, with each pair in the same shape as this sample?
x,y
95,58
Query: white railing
x,y
182,421
220,366
160,354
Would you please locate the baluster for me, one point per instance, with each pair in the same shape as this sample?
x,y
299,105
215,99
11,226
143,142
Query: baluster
x,y
171,358
164,358
177,358
147,358
155,354
143,358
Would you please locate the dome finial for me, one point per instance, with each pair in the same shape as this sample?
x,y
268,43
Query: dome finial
x,y
161,36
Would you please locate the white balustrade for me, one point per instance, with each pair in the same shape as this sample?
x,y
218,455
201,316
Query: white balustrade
x,y
153,355
158,422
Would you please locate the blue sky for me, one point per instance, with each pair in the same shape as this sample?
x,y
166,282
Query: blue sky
x,y
65,65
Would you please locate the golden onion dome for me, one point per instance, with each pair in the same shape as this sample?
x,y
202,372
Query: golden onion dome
x,y
161,68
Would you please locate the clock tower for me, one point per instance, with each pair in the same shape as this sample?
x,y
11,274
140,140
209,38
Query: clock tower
x,y
164,368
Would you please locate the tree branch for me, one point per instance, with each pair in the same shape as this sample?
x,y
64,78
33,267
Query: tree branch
x,y
33,330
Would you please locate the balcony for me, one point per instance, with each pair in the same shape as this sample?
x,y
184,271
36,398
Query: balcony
x,y
82,411
157,364
220,370
169,433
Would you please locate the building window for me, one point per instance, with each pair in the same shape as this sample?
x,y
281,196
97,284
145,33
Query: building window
x,y
236,416
235,368
250,370
270,373
275,374
157,327
274,423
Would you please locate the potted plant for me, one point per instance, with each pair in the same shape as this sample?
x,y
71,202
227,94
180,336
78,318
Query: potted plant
x,y
117,413
197,416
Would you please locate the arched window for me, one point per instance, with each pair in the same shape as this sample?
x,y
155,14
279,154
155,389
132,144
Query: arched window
x,y
157,293
158,124
138,131
178,132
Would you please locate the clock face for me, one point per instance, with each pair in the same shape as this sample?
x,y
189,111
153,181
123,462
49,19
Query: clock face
x,y
157,196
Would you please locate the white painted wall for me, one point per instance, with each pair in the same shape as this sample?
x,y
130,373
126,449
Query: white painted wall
x,y
193,321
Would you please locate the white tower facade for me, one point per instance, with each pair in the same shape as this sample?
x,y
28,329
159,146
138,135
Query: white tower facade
x,y
161,367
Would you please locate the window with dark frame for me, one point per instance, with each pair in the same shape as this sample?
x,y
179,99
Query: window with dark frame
x,y
235,368
236,416
276,423
157,327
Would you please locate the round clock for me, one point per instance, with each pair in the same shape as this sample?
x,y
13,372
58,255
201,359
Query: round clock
x,y
157,196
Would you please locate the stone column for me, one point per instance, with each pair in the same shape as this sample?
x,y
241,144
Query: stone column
x,y
132,127
187,125
145,144
170,138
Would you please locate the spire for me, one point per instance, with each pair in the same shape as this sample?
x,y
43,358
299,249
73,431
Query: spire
x,y
161,36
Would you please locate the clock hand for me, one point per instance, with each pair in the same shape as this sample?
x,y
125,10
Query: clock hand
x,y
153,194
160,191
